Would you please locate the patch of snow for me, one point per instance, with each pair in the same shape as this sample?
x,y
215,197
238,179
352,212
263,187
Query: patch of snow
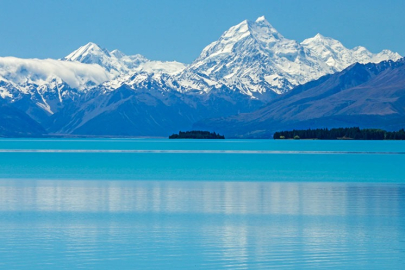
x,y
4,93
45,107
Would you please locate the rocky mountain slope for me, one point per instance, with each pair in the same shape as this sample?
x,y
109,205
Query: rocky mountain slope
x,y
256,59
365,95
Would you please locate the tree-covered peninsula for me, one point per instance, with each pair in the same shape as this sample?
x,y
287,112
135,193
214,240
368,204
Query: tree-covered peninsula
x,y
353,133
196,134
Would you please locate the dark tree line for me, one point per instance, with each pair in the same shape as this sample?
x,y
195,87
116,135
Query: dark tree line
x,y
353,133
196,134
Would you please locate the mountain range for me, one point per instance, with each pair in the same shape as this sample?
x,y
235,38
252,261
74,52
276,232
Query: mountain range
x,y
363,95
93,91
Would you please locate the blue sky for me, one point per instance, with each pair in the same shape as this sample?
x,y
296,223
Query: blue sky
x,y
180,29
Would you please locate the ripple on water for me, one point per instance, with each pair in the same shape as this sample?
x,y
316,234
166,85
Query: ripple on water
x,y
202,225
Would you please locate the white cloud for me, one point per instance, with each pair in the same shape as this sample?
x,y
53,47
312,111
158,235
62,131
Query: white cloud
x,y
41,71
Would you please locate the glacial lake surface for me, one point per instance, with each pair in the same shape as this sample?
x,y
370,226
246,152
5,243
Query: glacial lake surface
x,y
201,204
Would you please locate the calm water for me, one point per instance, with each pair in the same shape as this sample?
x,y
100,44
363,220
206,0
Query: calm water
x,y
233,204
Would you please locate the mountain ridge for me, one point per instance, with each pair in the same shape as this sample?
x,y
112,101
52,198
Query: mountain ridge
x,y
249,65
365,95
251,57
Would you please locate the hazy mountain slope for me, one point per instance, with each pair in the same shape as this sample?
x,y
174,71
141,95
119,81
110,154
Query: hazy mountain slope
x,y
15,123
144,112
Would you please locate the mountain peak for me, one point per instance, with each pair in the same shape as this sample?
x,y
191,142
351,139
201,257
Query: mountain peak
x,y
117,53
92,45
319,36
320,40
90,50
261,19
259,29
255,57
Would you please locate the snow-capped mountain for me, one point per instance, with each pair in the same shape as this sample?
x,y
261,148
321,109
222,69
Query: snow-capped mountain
x,y
117,63
362,95
255,58
93,90
47,83
338,57
251,58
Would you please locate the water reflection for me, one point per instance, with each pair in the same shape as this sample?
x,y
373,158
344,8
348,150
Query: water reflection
x,y
205,225
239,198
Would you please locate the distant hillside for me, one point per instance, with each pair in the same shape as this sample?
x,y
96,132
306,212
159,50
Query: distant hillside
x,y
363,95
15,123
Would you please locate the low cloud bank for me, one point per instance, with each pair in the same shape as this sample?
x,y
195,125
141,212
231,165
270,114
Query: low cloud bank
x,y
40,71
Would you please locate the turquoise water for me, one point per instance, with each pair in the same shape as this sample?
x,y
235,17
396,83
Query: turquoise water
x,y
233,204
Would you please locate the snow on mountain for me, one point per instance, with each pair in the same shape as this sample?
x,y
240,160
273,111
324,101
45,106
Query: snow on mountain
x,y
255,58
90,53
47,82
117,63
168,67
251,58
338,57
142,80
96,91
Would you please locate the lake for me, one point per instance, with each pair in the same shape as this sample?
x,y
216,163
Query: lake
x,y
201,204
